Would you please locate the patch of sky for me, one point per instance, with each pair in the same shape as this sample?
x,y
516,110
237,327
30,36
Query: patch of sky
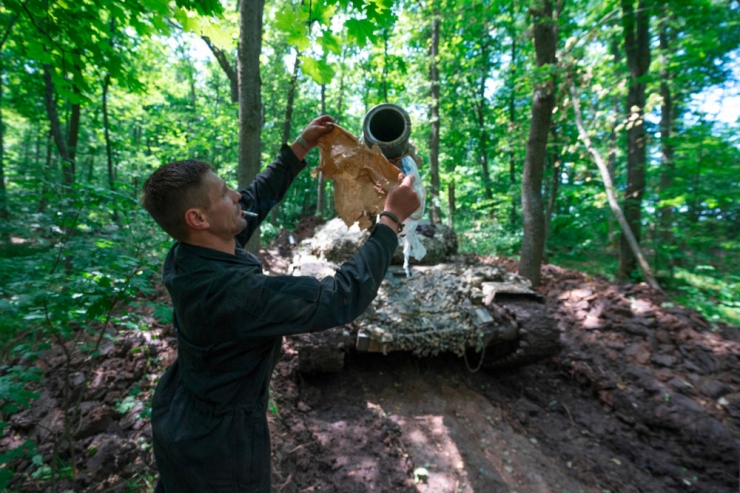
x,y
721,102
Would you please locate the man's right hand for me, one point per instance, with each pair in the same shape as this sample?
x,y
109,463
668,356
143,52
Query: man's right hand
x,y
402,201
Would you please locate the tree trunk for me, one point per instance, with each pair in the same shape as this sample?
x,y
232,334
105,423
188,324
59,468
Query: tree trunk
x,y
250,117
56,128
667,118
512,125
553,188
321,191
611,196
481,109
4,213
227,67
47,168
287,124
612,159
637,46
435,214
384,75
450,202
73,131
340,95
533,214
106,129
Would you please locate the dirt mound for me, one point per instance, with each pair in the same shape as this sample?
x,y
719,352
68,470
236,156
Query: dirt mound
x,y
644,396
641,398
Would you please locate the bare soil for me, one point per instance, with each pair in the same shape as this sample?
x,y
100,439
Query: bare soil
x,y
644,397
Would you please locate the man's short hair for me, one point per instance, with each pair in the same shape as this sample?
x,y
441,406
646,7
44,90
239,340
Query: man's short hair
x,y
173,189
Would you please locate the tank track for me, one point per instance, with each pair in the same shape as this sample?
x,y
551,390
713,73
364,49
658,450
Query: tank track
x,y
538,337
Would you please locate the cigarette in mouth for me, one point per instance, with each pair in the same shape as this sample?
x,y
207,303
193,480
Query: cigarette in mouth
x,y
249,214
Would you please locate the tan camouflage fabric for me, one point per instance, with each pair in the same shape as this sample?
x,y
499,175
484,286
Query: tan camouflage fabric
x,y
362,176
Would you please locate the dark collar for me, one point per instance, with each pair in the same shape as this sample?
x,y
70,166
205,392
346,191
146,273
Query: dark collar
x,y
240,256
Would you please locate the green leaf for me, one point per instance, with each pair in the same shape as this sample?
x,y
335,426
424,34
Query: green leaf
x,y
296,31
319,70
218,36
361,30
330,42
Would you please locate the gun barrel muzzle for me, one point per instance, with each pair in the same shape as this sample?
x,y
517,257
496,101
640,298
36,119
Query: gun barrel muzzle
x,y
388,126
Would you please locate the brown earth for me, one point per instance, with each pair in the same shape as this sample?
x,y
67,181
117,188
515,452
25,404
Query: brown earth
x,y
644,396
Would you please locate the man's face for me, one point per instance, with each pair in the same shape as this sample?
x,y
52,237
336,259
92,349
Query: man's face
x,y
224,214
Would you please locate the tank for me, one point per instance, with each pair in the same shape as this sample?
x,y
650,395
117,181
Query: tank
x,y
451,303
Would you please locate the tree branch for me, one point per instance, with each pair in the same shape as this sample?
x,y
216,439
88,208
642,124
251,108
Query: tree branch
x,y
227,67
7,31
610,195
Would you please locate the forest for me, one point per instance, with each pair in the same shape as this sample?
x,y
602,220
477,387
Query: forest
x,y
597,137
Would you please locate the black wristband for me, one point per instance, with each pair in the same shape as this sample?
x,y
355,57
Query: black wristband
x,y
393,218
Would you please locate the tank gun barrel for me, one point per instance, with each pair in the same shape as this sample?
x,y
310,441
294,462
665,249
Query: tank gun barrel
x,y
388,126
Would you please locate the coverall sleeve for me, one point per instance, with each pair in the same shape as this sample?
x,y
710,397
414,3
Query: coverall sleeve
x,y
267,189
283,305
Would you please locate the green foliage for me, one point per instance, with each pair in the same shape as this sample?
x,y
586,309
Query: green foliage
x,y
26,450
84,268
489,238
15,395
715,295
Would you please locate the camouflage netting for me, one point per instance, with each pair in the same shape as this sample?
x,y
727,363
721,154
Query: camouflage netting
x,y
432,311
335,243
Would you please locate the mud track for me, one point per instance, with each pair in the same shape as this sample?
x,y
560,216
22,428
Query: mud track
x,y
642,398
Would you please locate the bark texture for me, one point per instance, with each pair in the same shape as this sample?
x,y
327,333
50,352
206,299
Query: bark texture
x,y
533,215
635,24
250,114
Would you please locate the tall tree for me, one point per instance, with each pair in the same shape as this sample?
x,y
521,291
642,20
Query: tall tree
x,y
56,127
667,119
250,114
4,213
636,26
512,115
288,122
320,182
435,214
480,107
611,195
543,102
106,132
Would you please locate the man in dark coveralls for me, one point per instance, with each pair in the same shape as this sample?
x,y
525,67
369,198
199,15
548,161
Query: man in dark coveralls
x,y
209,411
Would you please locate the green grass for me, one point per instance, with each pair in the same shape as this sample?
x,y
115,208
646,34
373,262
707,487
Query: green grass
x,y
714,294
